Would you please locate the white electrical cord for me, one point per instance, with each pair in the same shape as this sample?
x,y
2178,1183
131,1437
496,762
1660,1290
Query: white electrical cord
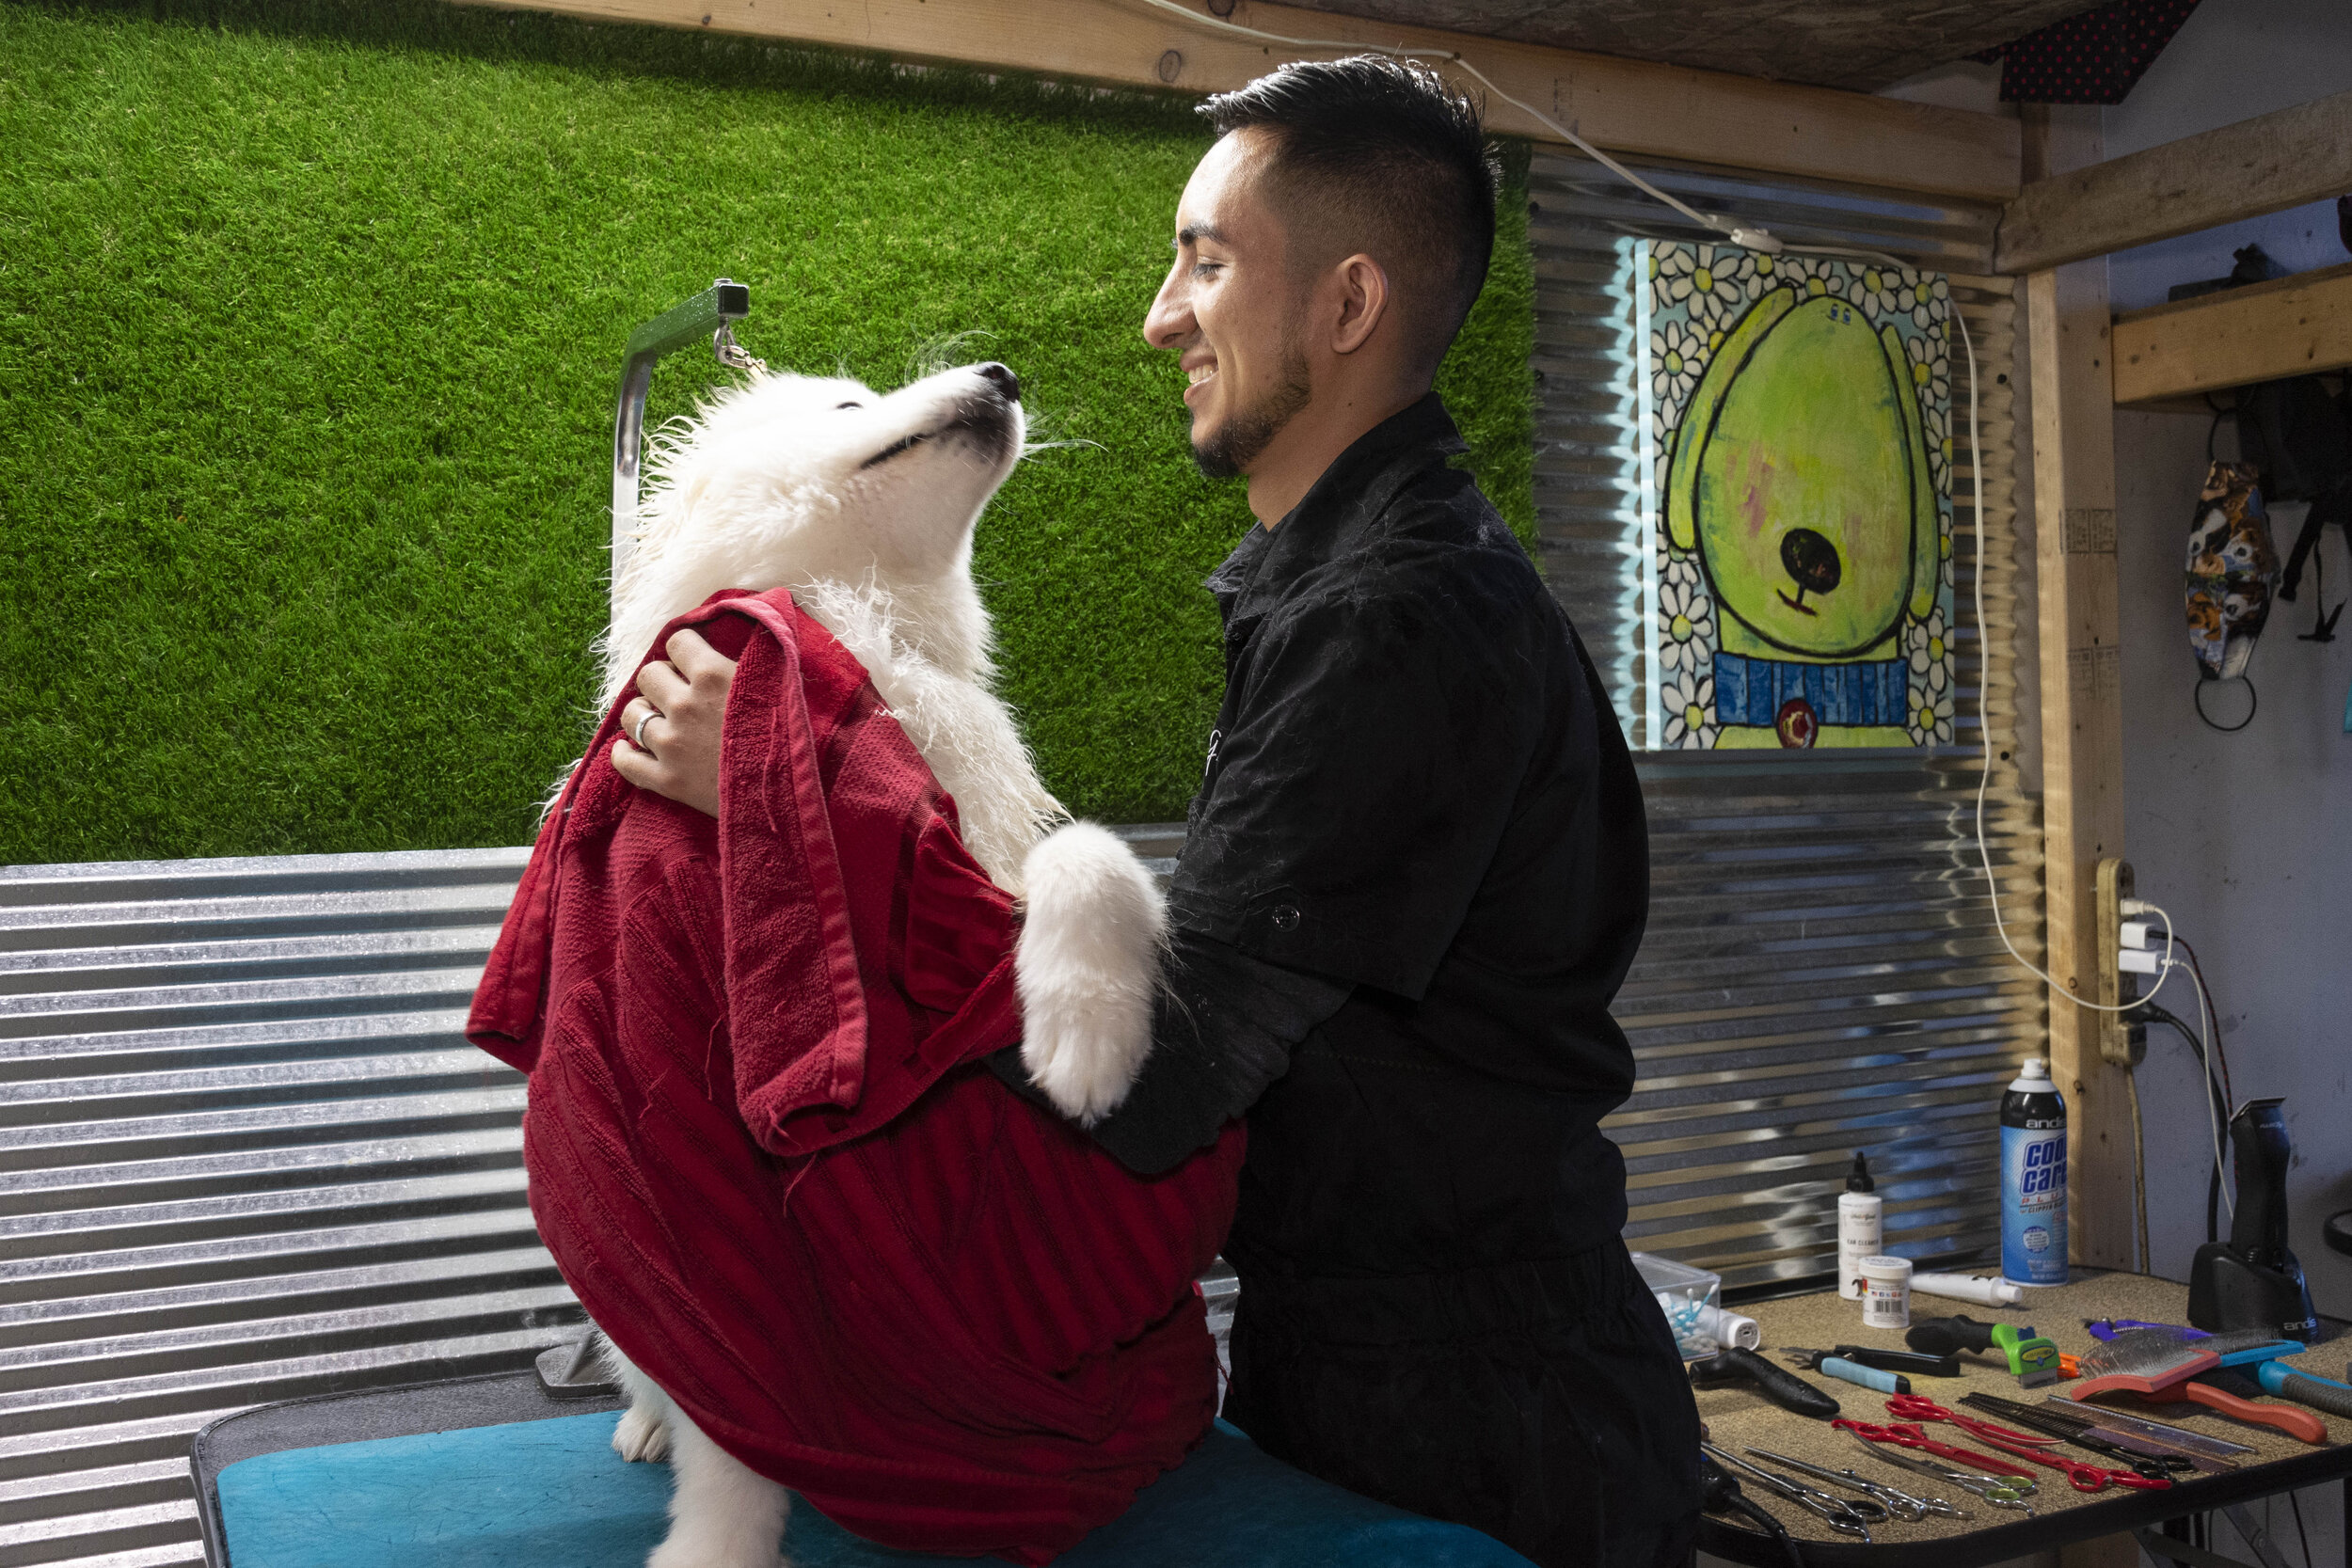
x,y
1763,240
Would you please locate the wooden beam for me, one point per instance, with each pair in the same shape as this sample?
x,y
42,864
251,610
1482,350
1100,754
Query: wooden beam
x,y
1627,107
2082,709
2298,325
2264,165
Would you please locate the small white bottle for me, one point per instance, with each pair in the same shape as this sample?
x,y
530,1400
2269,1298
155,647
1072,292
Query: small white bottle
x,y
1860,1227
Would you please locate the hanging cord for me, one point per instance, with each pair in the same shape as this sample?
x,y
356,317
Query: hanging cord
x,y
2215,1101
2213,1113
2139,1173
2220,1050
1720,1492
1752,238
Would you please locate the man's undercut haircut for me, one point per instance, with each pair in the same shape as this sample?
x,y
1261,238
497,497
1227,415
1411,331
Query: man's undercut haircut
x,y
1378,156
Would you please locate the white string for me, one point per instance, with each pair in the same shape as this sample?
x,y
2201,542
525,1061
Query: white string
x,y
1757,239
1754,239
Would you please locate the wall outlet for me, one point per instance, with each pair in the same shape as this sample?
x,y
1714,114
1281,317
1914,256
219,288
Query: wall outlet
x,y
2121,1042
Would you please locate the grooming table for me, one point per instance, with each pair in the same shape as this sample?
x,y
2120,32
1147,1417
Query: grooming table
x,y
1740,1417
493,1473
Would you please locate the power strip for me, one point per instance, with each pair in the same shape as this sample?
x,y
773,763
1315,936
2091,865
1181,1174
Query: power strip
x,y
2121,1043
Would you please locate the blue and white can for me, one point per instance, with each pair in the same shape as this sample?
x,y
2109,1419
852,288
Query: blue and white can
x,y
2033,1179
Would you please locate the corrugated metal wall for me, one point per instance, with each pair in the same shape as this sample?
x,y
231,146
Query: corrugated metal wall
x,y
1821,973
245,1155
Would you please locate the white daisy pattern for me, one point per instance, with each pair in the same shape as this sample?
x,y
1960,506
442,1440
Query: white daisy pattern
x,y
1757,272
1676,355
1701,280
1686,620
1688,701
1878,296
1931,652
1930,720
1931,358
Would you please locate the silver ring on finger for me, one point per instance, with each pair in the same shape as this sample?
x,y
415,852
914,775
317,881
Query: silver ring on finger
x,y
637,736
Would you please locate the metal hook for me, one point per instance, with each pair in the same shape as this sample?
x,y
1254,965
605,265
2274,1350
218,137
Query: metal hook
x,y
732,354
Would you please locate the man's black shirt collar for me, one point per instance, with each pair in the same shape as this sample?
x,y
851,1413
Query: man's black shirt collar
x,y
1351,494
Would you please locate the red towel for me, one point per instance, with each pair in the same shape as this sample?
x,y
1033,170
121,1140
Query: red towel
x,y
764,1153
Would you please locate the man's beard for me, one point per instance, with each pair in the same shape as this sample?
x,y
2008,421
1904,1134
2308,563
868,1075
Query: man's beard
x,y
1237,442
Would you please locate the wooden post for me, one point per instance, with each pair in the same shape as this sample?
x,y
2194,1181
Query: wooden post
x,y
2082,698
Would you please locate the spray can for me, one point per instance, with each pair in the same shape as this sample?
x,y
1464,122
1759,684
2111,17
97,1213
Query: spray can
x,y
1861,1229
2033,1179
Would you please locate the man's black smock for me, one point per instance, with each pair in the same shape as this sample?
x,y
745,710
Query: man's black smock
x,y
1416,788
1414,876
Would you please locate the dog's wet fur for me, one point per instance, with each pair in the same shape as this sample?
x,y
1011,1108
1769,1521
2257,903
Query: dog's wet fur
x,y
863,504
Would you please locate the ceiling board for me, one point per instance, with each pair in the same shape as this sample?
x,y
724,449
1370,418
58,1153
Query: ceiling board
x,y
1864,44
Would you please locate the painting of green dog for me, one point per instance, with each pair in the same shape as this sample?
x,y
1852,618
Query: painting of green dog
x,y
1795,446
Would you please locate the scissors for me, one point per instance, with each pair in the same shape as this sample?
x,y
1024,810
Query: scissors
x,y
1887,1443
1840,1516
2080,1474
1902,1505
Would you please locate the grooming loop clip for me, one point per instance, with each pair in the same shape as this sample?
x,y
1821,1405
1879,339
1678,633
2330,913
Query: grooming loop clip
x,y
732,354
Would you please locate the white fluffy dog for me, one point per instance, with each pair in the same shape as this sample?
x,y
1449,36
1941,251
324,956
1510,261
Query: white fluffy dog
x,y
863,505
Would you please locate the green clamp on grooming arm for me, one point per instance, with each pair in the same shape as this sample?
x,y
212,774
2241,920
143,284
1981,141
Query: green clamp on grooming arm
x,y
2032,1359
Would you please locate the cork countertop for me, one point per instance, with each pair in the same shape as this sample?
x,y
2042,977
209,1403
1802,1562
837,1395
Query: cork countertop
x,y
1740,1417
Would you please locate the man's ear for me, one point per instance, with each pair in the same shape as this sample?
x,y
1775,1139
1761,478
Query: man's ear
x,y
1363,289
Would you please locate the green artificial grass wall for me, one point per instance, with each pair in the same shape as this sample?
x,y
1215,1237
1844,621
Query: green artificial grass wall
x,y
313,312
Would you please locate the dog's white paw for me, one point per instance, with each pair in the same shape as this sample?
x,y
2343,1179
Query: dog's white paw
x,y
641,1435
1086,965
687,1551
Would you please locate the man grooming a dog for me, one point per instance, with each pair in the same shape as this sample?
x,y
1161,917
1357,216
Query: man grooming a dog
x,y
1413,878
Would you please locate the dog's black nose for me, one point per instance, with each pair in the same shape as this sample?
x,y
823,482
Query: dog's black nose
x,y
1002,379
1811,560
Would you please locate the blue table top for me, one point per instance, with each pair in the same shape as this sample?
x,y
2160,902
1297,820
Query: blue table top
x,y
551,1493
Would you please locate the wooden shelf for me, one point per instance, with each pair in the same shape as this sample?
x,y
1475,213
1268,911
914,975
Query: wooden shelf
x,y
1629,106
2299,326
2264,165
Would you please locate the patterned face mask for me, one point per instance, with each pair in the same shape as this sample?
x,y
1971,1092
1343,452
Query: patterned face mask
x,y
2232,570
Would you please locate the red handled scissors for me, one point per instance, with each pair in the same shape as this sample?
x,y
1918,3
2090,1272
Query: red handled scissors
x,y
2081,1476
1912,1436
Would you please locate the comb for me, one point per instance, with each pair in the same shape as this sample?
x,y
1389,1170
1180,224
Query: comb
x,y
2150,1363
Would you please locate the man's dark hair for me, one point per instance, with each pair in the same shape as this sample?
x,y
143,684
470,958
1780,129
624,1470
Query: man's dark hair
x,y
1378,154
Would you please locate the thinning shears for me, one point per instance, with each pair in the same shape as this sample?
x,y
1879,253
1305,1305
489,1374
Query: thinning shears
x,y
1901,1504
2008,1491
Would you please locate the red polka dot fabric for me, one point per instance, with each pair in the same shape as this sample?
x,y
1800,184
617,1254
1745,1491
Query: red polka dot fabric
x,y
2091,59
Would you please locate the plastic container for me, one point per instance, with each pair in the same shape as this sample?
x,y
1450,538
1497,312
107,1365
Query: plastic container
x,y
1693,1302
1886,1292
2033,1179
1861,1229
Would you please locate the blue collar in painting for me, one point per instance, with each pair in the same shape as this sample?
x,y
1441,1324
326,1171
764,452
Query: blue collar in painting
x,y
1753,690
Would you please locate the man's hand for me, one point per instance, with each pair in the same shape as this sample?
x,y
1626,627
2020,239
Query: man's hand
x,y
671,727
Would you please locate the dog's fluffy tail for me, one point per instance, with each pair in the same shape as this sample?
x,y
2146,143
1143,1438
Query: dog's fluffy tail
x,y
1088,965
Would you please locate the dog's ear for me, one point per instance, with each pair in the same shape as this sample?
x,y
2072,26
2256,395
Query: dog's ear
x,y
1927,525
1707,400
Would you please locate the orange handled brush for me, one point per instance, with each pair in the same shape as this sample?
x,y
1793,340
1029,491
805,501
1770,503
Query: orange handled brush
x,y
2156,1366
